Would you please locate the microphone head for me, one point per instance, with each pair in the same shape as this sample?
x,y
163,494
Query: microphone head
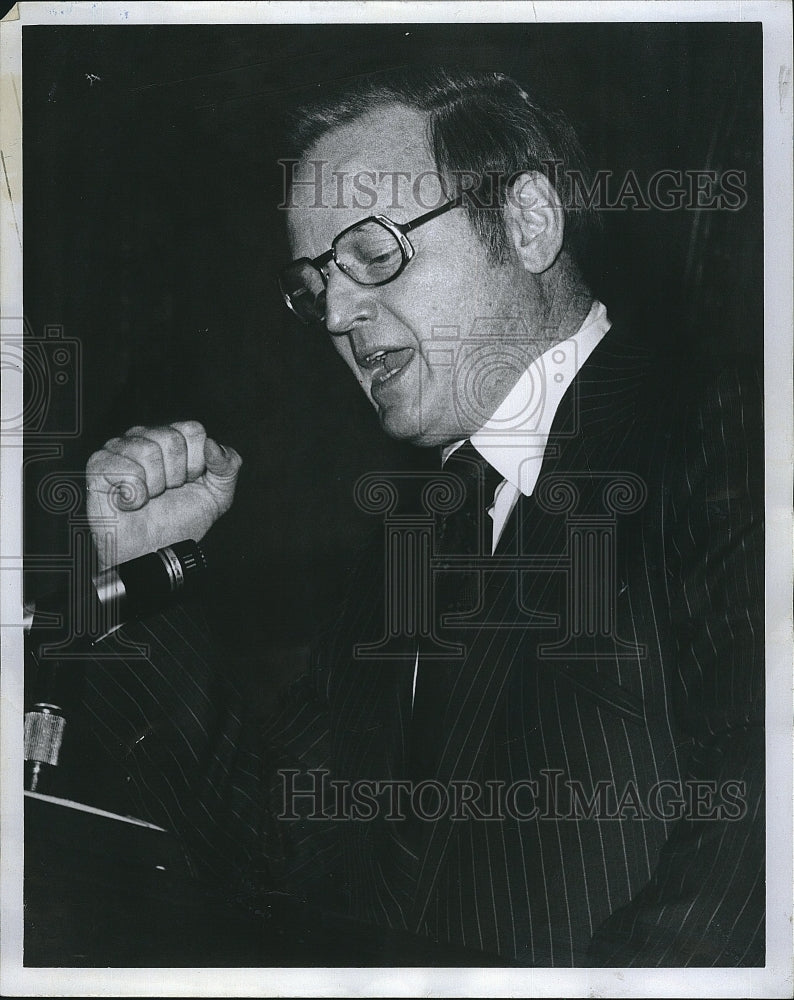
x,y
154,581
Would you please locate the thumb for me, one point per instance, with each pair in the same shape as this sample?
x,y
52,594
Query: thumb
x,y
223,463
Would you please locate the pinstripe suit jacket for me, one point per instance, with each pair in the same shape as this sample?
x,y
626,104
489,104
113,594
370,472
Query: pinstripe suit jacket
x,y
626,654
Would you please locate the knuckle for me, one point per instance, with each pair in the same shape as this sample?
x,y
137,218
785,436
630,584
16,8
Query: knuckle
x,y
128,492
173,442
189,428
96,461
148,449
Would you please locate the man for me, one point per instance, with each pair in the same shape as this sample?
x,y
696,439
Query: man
x,y
583,699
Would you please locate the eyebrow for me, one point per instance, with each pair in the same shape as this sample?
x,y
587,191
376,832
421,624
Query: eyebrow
x,y
404,227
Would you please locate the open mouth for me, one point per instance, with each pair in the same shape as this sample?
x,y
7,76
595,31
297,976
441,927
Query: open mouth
x,y
385,365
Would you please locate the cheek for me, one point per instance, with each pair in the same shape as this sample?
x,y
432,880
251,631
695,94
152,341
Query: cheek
x,y
443,299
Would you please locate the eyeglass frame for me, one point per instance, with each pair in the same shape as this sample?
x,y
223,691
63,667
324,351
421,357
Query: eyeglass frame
x,y
399,231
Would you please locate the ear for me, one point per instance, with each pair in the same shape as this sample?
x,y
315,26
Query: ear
x,y
535,220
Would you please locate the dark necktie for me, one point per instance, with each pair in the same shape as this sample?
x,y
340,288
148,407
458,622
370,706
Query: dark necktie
x,y
467,531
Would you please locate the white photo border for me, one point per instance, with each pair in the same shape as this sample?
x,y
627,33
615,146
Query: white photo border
x,y
773,980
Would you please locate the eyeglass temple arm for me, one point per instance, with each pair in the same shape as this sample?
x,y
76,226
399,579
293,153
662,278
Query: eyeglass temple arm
x,y
323,259
406,227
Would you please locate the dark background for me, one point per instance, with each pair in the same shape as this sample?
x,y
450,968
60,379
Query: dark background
x,y
153,238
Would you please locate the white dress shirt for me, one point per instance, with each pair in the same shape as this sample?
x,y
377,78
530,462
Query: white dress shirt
x,y
513,441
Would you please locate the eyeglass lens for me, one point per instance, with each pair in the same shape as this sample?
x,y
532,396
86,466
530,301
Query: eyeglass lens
x,y
304,289
369,253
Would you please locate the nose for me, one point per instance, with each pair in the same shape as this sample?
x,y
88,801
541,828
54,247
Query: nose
x,y
347,304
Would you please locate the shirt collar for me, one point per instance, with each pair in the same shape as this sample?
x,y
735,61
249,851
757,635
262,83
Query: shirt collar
x,y
514,439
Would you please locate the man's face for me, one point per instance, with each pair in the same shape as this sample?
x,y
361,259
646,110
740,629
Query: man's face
x,y
433,384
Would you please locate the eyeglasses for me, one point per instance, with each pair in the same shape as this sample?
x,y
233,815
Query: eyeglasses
x,y
371,252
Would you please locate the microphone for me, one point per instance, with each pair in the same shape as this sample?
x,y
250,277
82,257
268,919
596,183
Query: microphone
x,y
67,622
90,610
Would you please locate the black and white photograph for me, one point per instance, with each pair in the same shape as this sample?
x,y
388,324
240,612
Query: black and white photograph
x,y
397,539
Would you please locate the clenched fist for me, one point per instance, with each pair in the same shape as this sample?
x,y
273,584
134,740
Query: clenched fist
x,y
157,485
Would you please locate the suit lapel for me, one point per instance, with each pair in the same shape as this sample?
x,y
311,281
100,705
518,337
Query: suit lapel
x,y
474,697
601,397
370,699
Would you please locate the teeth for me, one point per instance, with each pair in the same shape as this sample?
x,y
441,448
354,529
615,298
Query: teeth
x,y
380,369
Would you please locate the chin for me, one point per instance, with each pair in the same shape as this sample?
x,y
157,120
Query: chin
x,y
401,425
406,426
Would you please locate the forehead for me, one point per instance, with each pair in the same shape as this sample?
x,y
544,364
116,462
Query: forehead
x,y
377,164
